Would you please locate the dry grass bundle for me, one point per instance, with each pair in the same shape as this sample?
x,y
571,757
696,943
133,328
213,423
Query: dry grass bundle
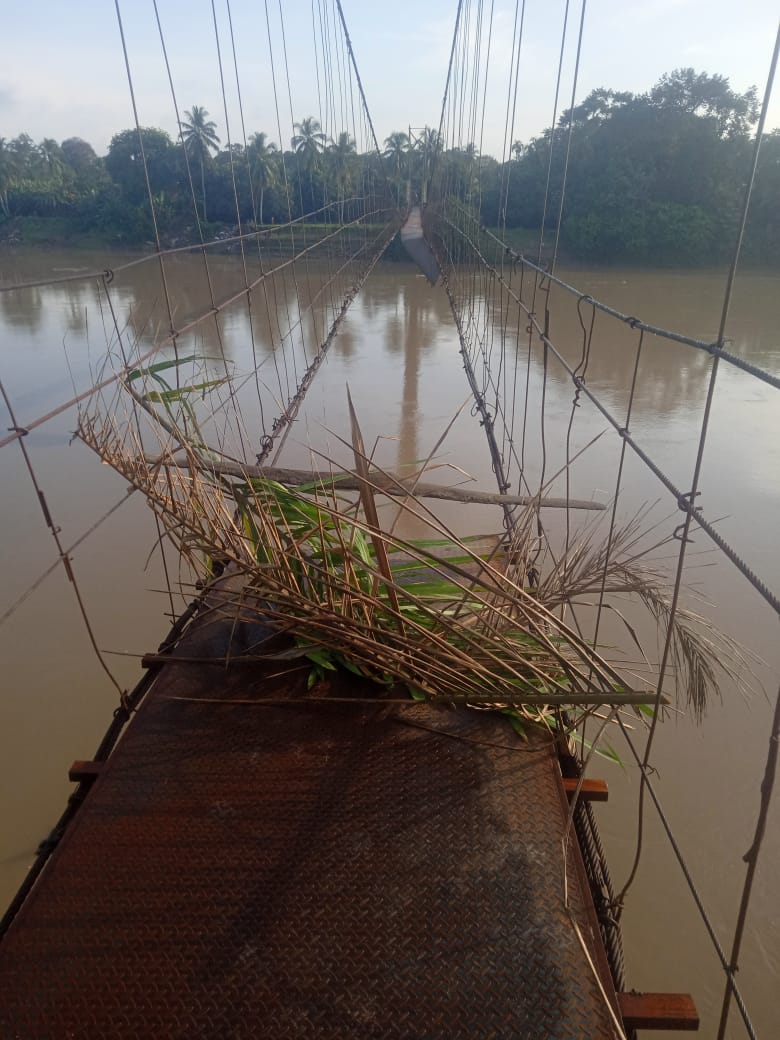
x,y
439,615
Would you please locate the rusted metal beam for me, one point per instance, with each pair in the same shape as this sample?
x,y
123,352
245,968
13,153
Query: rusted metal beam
x,y
84,771
658,1011
590,791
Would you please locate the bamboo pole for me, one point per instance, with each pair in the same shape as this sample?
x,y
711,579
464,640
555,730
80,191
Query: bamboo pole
x,y
383,484
595,699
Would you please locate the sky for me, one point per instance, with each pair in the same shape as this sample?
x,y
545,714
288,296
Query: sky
x,y
63,70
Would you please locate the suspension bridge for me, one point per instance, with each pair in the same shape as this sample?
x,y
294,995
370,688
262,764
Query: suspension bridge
x,y
351,793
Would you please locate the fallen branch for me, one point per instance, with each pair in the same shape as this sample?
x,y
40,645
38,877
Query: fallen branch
x,y
397,486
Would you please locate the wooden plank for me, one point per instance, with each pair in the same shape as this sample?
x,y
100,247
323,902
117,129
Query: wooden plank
x,y
84,772
591,790
658,1011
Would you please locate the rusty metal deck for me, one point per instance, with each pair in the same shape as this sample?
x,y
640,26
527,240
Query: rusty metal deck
x,y
416,246
306,871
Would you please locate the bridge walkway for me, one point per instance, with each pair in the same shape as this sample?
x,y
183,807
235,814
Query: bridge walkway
x,y
307,869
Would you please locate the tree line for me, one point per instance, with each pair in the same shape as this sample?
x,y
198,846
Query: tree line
x,y
656,177
651,178
192,182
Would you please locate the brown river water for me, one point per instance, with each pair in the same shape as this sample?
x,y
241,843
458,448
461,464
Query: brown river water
x,y
398,352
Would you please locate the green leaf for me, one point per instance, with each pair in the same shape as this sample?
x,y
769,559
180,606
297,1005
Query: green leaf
x,y
160,366
179,393
516,722
322,657
351,667
606,751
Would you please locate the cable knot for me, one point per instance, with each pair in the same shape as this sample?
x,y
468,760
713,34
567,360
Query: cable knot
x,y
633,322
108,276
21,430
266,443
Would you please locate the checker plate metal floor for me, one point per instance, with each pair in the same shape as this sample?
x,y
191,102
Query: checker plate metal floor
x,y
307,871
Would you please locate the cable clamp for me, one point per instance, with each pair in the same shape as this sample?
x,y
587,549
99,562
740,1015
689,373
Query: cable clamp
x,y
265,446
678,534
612,909
124,709
684,502
66,562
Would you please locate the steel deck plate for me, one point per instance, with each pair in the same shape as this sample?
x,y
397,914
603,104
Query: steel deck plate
x,y
306,871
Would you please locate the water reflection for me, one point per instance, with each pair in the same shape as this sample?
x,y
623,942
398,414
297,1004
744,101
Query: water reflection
x,y
23,308
672,377
416,331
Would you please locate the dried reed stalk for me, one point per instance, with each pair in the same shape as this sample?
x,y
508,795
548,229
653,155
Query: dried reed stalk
x,y
455,623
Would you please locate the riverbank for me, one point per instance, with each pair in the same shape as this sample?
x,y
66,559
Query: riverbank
x,y
60,232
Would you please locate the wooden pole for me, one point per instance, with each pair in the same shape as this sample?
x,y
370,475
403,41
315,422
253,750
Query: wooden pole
x,y
400,487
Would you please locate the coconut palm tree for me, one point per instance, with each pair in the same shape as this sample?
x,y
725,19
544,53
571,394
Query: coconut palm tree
x,y
341,155
263,168
427,145
198,134
396,149
50,159
24,154
396,146
308,142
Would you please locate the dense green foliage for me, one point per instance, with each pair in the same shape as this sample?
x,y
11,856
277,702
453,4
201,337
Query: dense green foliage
x,y
652,178
194,184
